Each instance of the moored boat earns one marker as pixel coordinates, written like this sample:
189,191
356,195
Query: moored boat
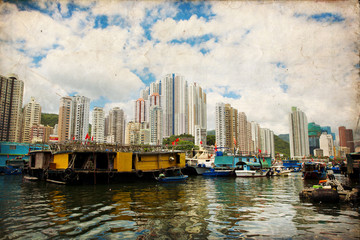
218,172
245,170
280,170
314,170
100,166
201,162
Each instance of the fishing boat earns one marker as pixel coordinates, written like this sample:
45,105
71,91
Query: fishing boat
179,178
245,170
201,162
218,172
280,170
314,170
292,165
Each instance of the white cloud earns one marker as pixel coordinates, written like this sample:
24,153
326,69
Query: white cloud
253,49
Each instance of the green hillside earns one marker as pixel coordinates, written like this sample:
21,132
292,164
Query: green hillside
281,146
49,119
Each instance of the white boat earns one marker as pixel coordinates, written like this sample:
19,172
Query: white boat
244,170
202,161
280,170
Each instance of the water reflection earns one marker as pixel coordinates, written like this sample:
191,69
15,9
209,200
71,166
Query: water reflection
202,208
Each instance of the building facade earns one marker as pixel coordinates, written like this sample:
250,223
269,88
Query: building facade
299,138
116,123
220,130
327,144
98,125
156,125
11,101
346,138
65,118
31,117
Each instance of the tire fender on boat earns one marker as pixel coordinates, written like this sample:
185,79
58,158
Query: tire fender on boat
139,173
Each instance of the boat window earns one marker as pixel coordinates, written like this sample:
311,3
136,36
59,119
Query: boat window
177,158
139,158
12,147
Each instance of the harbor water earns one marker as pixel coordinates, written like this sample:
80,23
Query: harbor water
201,208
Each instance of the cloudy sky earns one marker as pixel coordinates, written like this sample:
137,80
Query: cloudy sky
261,57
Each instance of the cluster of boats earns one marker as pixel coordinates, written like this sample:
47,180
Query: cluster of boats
89,164
207,163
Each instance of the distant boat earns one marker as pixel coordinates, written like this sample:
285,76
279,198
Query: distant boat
280,170
172,179
202,161
218,172
314,170
245,170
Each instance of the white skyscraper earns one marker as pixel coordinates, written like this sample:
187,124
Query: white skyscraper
156,125
267,142
255,136
197,108
11,100
299,138
32,116
116,126
200,135
175,104
80,117
243,137
140,111
220,131
327,144
98,125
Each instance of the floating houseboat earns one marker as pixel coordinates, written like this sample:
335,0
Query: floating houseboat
353,165
99,166
13,156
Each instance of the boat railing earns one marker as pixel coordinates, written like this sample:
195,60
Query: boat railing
90,146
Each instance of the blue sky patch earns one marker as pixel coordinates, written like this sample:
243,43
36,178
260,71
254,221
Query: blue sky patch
100,102
280,65
327,17
232,94
284,87
145,75
194,40
37,59
204,51
101,21
188,9
72,94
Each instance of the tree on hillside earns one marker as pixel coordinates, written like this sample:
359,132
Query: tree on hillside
210,140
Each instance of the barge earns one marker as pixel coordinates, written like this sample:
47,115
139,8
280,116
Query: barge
100,166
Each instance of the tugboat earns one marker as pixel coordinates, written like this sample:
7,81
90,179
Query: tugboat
314,170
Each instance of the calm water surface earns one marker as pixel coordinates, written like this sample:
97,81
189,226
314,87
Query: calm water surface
202,208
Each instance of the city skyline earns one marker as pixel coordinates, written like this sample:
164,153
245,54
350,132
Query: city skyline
305,56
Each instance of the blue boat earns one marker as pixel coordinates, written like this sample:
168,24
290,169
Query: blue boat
216,172
14,156
173,178
293,165
314,170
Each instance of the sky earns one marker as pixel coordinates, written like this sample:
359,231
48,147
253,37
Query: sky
261,57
